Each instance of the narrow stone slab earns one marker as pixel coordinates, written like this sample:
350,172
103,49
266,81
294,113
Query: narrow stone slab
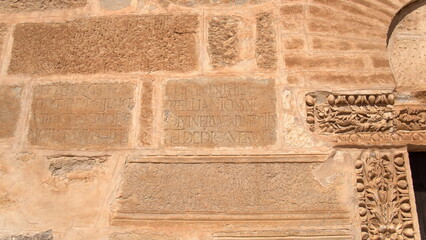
39,5
220,190
81,115
219,113
10,107
106,44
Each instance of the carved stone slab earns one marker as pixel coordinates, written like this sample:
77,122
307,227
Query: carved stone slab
10,107
219,113
384,195
219,190
365,119
77,115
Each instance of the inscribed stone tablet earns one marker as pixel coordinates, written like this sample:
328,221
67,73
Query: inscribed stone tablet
219,112
10,107
78,115
106,44
221,188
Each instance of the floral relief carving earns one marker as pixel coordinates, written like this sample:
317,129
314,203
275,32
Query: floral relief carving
350,113
383,193
411,119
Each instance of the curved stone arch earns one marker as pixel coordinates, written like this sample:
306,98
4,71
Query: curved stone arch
402,13
406,43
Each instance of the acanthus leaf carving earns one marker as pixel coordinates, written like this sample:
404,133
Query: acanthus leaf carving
383,194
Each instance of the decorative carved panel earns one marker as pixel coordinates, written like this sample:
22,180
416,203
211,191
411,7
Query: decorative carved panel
365,119
350,113
383,193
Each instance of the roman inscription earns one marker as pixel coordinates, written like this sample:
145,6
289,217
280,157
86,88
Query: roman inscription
219,113
106,44
77,115
10,107
184,189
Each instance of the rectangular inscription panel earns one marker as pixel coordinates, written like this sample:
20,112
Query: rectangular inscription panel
223,190
219,112
77,115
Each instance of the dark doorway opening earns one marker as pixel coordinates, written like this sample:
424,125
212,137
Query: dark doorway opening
418,170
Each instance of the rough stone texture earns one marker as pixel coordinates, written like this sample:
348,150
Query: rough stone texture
407,50
81,115
39,236
218,188
3,31
162,179
147,114
108,44
38,5
220,112
10,108
114,4
265,41
223,41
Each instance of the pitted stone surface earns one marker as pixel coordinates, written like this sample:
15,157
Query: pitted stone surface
245,188
38,5
81,115
219,112
10,107
265,41
106,44
223,41
39,236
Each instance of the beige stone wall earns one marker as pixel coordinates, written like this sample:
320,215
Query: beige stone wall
209,120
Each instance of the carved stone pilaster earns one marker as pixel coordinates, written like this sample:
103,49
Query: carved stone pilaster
385,208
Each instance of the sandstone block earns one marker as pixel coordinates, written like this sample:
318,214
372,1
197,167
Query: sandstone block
223,41
106,44
219,113
196,190
39,236
113,5
3,30
302,62
10,107
146,119
39,5
80,115
265,41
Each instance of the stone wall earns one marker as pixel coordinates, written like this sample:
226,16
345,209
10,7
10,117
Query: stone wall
209,120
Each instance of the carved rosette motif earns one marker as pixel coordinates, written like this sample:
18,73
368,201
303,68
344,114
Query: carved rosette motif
383,193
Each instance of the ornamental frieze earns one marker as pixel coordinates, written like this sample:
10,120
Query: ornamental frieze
365,118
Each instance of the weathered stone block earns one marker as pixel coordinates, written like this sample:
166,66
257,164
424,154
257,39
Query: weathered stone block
3,30
114,4
80,115
301,62
106,44
219,113
39,236
265,41
10,107
223,40
197,190
39,5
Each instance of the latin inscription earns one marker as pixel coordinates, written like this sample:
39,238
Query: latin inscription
224,112
81,114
